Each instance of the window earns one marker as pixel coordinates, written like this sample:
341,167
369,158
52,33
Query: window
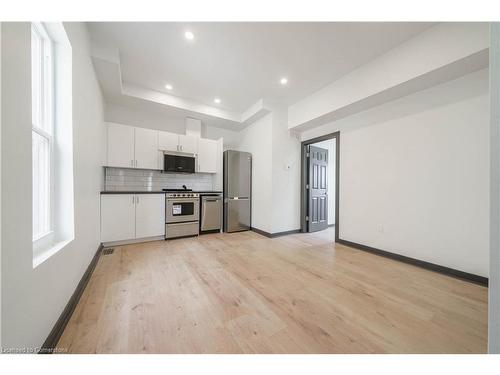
42,87
52,140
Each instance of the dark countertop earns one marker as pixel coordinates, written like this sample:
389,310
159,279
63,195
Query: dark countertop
154,192
132,192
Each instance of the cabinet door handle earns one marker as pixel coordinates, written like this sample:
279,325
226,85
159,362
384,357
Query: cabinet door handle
137,199
133,199
181,147
132,163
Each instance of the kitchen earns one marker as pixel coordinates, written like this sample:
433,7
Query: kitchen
161,185
204,188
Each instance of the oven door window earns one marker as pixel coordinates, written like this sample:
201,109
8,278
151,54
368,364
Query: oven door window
183,209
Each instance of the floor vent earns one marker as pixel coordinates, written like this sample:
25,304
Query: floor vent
108,251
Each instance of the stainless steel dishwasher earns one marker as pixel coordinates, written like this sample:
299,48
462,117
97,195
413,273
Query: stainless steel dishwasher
210,213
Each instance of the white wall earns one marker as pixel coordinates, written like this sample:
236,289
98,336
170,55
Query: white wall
414,175
160,121
419,62
330,145
0,185
257,139
494,281
285,174
275,172
144,119
33,299
231,138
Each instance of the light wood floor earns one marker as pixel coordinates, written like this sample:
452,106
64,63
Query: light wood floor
245,293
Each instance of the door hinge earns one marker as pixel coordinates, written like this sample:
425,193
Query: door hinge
307,154
307,218
307,186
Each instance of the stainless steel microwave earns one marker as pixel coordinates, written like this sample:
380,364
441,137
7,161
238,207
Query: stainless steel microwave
178,164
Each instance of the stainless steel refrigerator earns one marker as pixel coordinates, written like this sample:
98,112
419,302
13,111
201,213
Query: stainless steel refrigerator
237,190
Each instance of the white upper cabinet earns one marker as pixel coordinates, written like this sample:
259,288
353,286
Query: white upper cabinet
130,147
168,141
149,215
146,148
120,146
177,142
188,144
207,155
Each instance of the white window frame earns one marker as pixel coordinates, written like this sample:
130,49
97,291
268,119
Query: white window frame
46,128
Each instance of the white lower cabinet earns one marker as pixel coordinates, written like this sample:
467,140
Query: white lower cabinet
132,216
117,217
149,215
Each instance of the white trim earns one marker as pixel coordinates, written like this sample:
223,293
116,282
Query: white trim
41,236
44,124
42,255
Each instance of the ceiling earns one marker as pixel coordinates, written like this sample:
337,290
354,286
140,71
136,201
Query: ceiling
241,63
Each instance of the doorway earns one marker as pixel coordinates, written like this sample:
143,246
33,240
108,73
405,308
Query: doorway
320,183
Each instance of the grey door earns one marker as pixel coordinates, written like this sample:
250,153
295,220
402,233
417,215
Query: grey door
318,189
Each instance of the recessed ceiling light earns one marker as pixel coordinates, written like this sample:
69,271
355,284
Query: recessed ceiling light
284,81
189,35
217,101
168,87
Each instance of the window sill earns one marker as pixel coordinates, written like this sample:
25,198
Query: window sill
42,236
43,255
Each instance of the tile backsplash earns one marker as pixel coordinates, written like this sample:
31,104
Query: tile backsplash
122,179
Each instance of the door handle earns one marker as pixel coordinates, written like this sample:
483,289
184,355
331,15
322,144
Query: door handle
132,163
137,199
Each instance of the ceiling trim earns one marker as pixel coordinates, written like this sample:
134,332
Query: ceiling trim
106,61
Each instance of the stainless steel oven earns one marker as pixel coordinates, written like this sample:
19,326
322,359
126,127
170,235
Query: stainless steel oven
182,209
181,214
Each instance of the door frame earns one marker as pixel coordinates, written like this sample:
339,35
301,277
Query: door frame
303,179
